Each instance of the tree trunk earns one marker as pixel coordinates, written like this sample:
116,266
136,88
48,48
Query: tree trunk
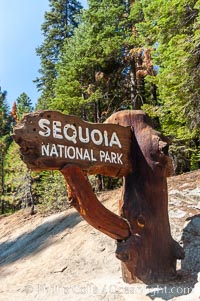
150,253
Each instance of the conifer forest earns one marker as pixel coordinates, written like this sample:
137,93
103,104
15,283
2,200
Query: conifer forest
111,56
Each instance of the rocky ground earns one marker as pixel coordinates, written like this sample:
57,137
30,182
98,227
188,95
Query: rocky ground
60,257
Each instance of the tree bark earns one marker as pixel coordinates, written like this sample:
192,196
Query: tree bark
150,253
82,197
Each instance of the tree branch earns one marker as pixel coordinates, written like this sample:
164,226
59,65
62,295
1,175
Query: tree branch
86,203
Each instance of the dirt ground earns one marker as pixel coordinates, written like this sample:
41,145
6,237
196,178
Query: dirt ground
61,257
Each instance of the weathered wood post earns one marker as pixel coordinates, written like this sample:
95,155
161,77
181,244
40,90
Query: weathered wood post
126,145
150,253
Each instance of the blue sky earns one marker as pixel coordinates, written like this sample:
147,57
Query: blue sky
20,34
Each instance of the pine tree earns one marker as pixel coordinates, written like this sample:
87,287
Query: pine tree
103,67
23,105
5,127
4,114
50,191
173,31
59,24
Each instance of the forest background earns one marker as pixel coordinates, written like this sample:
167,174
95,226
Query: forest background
112,56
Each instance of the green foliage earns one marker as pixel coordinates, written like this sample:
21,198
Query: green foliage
195,158
50,189
17,180
5,126
59,24
172,28
5,118
173,32
25,188
24,105
96,67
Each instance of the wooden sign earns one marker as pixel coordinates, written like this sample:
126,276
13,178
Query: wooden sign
51,140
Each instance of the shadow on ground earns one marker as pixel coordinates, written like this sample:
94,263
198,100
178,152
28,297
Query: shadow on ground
190,266
36,240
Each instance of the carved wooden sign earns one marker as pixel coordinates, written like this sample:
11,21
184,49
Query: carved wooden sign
50,140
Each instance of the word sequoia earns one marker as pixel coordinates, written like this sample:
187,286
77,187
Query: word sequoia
71,133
